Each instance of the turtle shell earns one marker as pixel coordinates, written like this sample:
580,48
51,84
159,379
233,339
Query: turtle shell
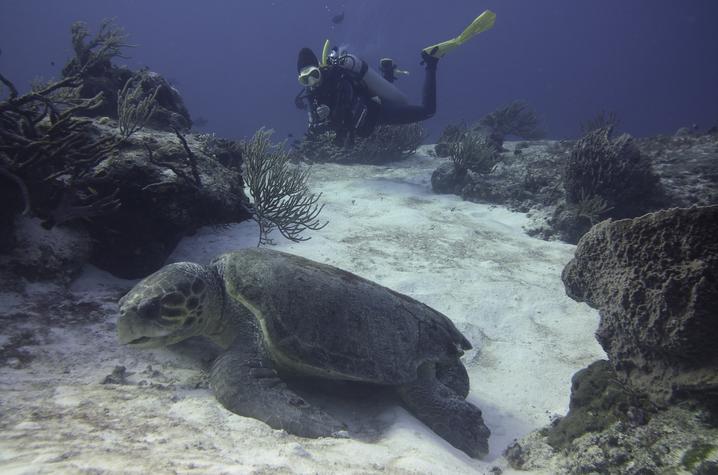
319,320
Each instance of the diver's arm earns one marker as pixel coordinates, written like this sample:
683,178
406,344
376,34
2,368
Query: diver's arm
318,115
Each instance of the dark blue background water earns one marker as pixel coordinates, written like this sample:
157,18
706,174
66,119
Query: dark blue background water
653,62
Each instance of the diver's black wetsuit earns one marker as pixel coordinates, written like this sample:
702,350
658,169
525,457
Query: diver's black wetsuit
352,109
407,114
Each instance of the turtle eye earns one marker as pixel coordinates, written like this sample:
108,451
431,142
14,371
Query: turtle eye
172,313
174,299
149,309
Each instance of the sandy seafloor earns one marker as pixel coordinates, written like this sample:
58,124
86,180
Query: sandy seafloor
473,262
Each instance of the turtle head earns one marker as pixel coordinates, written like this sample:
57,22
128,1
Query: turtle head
177,302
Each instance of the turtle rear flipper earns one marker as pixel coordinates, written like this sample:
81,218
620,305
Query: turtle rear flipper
245,383
448,414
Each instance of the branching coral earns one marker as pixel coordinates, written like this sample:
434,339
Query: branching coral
600,121
591,207
516,119
46,148
451,133
473,152
134,106
279,190
98,51
387,143
613,171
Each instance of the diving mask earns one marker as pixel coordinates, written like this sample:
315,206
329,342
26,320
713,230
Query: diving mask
310,76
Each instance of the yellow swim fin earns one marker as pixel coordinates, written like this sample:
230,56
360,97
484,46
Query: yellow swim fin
482,22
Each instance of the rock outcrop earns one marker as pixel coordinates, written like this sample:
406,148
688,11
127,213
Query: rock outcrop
654,280
161,198
653,407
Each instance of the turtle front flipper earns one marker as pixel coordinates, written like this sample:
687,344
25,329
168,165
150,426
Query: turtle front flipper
453,375
245,383
445,412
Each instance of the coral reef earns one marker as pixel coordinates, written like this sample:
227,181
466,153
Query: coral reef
473,152
135,192
570,186
598,400
451,133
387,143
655,173
93,62
516,119
526,177
613,170
477,153
676,440
169,185
687,167
605,178
46,148
602,120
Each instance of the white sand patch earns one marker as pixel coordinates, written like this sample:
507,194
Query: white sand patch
470,261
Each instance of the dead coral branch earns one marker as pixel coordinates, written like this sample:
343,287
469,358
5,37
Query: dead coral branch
191,157
46,149
107,43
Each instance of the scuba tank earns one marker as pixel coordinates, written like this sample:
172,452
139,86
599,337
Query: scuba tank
375,83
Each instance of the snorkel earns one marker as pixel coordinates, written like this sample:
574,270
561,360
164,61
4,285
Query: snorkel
325,53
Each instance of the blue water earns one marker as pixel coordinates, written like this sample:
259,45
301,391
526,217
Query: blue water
653,62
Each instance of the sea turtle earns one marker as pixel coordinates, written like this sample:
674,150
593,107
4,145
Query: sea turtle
276,313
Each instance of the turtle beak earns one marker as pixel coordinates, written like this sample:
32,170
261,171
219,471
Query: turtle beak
132,331
124,330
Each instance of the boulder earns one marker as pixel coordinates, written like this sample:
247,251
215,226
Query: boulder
654,280
161,199
109,80
447,179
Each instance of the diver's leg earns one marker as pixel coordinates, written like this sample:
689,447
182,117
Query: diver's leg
428,93
411,113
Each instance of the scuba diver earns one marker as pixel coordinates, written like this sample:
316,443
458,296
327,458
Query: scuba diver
343,94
